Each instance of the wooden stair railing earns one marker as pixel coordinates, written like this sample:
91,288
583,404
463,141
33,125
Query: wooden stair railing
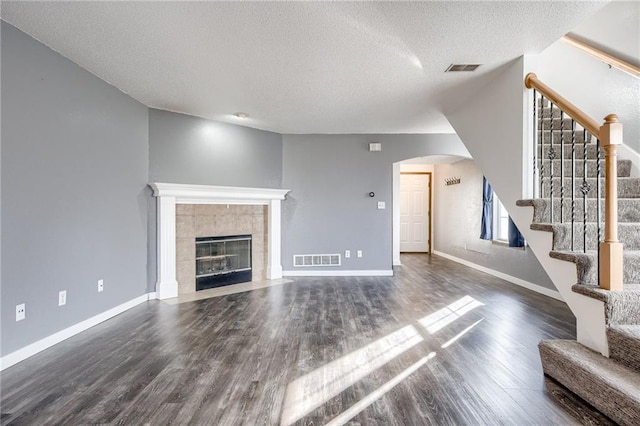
609,135
605,57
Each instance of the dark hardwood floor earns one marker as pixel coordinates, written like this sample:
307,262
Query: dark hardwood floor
439,344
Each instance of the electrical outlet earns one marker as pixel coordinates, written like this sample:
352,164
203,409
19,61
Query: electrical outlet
21,312
359,253
347,253
100,285
62,298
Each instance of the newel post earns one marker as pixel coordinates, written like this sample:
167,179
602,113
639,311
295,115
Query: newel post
611,248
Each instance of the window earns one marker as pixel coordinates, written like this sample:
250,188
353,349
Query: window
501,220
496,225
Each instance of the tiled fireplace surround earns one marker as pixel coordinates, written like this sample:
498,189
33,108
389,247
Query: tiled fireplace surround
189,211
217,220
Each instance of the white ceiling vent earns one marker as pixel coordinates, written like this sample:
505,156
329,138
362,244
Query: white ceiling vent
301,260
462,67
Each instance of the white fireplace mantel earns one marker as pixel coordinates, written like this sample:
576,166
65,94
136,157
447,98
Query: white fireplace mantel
170,194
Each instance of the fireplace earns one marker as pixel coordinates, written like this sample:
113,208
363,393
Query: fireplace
170,195
222,261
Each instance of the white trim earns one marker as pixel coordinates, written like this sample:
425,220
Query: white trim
274,239
170,194
166,284
208,194
340,273
514,280
397,263
42,344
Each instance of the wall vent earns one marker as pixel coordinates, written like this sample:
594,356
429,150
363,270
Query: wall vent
302,260
462,67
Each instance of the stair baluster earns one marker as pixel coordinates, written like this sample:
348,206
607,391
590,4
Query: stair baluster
585,188
552,156
573,183
598,198
536,170
541,134
561,166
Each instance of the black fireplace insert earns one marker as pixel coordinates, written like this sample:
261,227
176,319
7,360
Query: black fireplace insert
222,261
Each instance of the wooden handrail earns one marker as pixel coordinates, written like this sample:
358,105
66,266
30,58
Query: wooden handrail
592,126
621,64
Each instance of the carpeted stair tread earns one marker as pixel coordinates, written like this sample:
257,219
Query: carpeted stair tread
624,345
628,209
624,168
586,273
628,235
627,187
620,307
609,386
545,111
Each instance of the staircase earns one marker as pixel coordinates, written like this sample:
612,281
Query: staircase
610,384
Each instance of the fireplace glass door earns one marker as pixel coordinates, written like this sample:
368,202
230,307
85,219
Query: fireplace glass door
222,261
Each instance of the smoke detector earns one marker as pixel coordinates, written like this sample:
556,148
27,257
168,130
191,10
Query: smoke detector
462,67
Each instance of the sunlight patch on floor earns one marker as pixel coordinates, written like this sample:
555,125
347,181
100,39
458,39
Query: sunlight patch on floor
355,409
459,335
445,316
310,391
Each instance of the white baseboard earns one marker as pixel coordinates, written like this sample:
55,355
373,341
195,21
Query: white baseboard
339,273
514,280
42,344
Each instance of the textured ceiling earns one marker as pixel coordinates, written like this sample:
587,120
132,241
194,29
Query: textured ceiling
310,67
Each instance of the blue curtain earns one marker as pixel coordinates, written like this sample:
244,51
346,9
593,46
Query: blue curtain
515,237
486,230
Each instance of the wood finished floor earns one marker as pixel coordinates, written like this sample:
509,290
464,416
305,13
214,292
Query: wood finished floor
439,344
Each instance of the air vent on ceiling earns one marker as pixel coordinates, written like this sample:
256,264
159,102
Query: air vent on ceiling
301,260
462,67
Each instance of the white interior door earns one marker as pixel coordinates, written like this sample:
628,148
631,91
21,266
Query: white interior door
414,212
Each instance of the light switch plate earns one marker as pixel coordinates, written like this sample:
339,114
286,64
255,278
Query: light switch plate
382,205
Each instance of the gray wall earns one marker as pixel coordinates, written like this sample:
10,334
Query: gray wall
193,150
591,84
456,231
187,149
74,195
330,176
